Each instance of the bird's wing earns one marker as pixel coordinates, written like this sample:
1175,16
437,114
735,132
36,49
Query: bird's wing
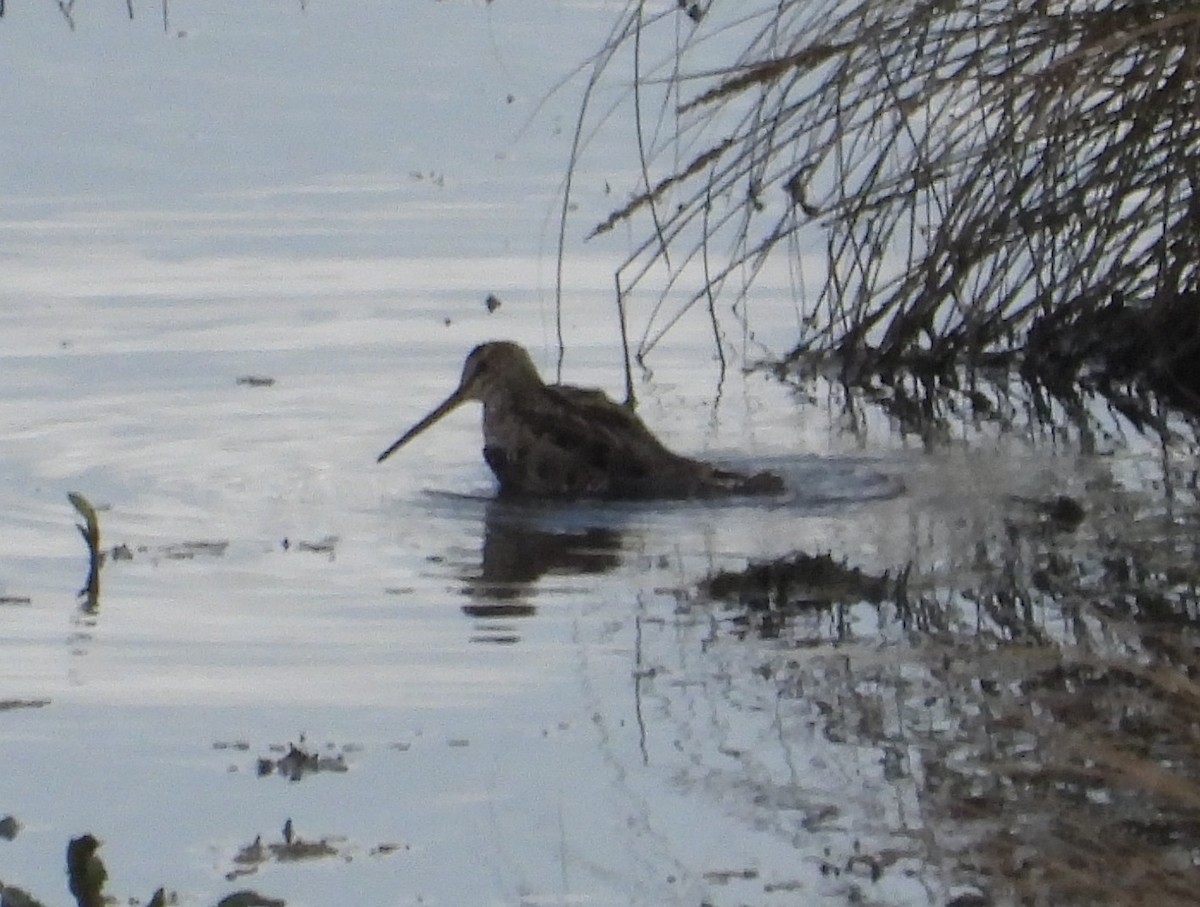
587,425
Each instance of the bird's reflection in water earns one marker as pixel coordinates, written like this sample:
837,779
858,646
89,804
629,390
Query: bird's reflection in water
520,546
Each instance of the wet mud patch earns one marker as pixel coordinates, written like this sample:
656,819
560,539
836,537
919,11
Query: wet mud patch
1033,691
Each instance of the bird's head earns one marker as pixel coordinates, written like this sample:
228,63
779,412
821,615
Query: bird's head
491,370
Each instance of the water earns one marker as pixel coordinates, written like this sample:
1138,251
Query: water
506,676
534,703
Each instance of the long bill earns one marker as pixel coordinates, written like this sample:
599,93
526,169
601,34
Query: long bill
456,398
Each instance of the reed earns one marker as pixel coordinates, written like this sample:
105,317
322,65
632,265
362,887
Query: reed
948,184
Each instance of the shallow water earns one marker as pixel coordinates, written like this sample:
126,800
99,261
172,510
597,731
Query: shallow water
534,703
504,675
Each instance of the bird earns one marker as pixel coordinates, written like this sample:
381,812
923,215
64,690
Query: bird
558,441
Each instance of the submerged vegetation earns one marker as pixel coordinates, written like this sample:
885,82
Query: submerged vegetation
970,185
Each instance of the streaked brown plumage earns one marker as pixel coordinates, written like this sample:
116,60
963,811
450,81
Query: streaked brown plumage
557,441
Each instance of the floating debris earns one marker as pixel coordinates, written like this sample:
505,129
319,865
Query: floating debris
250,855
188,550
175,551
90,530
725,876
492,302
382,850
9,828
7,704
326,545
302,850
255,381
86,874
291,849
298,762
437,179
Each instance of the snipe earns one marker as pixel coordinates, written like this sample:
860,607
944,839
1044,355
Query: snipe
557,441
